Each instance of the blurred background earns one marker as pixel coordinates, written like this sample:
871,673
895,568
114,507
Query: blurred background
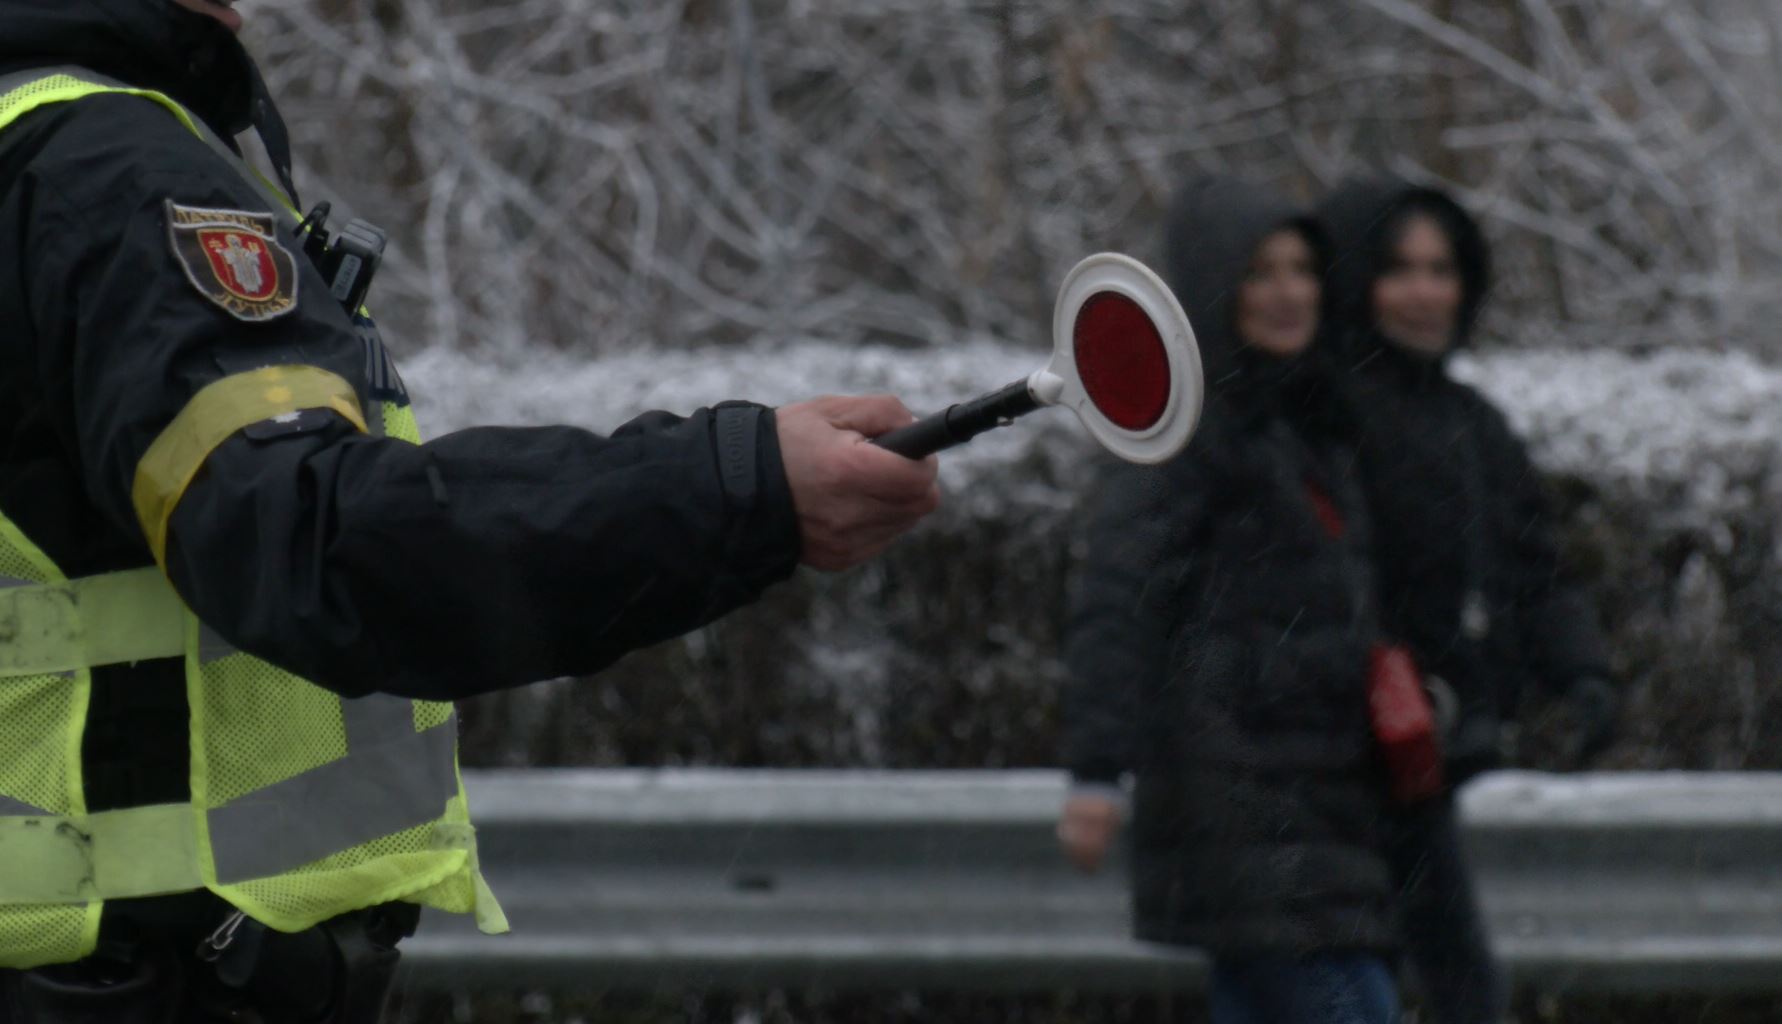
602,206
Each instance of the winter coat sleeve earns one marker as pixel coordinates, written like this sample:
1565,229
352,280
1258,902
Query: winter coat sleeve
1117,627
484,559
1561,638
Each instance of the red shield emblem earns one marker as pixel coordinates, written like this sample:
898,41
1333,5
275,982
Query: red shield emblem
241,262
235,260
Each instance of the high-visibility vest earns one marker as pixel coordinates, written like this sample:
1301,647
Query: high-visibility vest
303,805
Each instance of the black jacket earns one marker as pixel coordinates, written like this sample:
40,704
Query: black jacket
485,559
1468,563
1219,637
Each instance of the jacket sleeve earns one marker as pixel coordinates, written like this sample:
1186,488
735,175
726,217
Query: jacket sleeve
1119,615
1558,626
482,560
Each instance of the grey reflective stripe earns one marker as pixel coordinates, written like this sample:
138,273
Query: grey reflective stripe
371,793
212,646
18,808
14,581
376,720
281,205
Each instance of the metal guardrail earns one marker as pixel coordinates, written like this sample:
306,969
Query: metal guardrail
647,880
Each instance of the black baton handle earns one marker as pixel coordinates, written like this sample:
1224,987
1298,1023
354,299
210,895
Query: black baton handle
960,423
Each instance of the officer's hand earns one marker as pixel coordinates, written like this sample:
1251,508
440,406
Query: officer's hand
853,498
1087,828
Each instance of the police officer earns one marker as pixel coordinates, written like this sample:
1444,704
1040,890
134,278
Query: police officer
237,595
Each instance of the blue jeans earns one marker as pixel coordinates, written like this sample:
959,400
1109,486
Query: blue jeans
1324,988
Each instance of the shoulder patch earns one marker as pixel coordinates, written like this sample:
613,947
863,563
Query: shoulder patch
235,260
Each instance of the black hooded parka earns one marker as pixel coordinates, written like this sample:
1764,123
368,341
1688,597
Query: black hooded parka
1464,542
1219,637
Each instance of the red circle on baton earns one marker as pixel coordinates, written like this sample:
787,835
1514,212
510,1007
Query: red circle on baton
1121,360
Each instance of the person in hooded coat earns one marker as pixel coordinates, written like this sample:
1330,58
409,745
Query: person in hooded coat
1467,561
363,563
1218,641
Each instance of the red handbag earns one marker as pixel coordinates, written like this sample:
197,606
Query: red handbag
1404,724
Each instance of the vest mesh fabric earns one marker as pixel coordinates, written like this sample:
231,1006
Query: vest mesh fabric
42,721
423,865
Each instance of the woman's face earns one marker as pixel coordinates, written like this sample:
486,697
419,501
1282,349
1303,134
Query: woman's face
1277,305
1417,299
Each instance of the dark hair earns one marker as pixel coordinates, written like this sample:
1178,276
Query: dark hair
1211,233
1318,239
1464,243
1222,358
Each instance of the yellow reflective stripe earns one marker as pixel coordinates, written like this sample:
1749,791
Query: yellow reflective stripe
211,417
276,192
70,84
112,619
139,851
67,89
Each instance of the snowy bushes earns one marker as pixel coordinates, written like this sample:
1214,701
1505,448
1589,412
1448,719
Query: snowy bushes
1665,468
